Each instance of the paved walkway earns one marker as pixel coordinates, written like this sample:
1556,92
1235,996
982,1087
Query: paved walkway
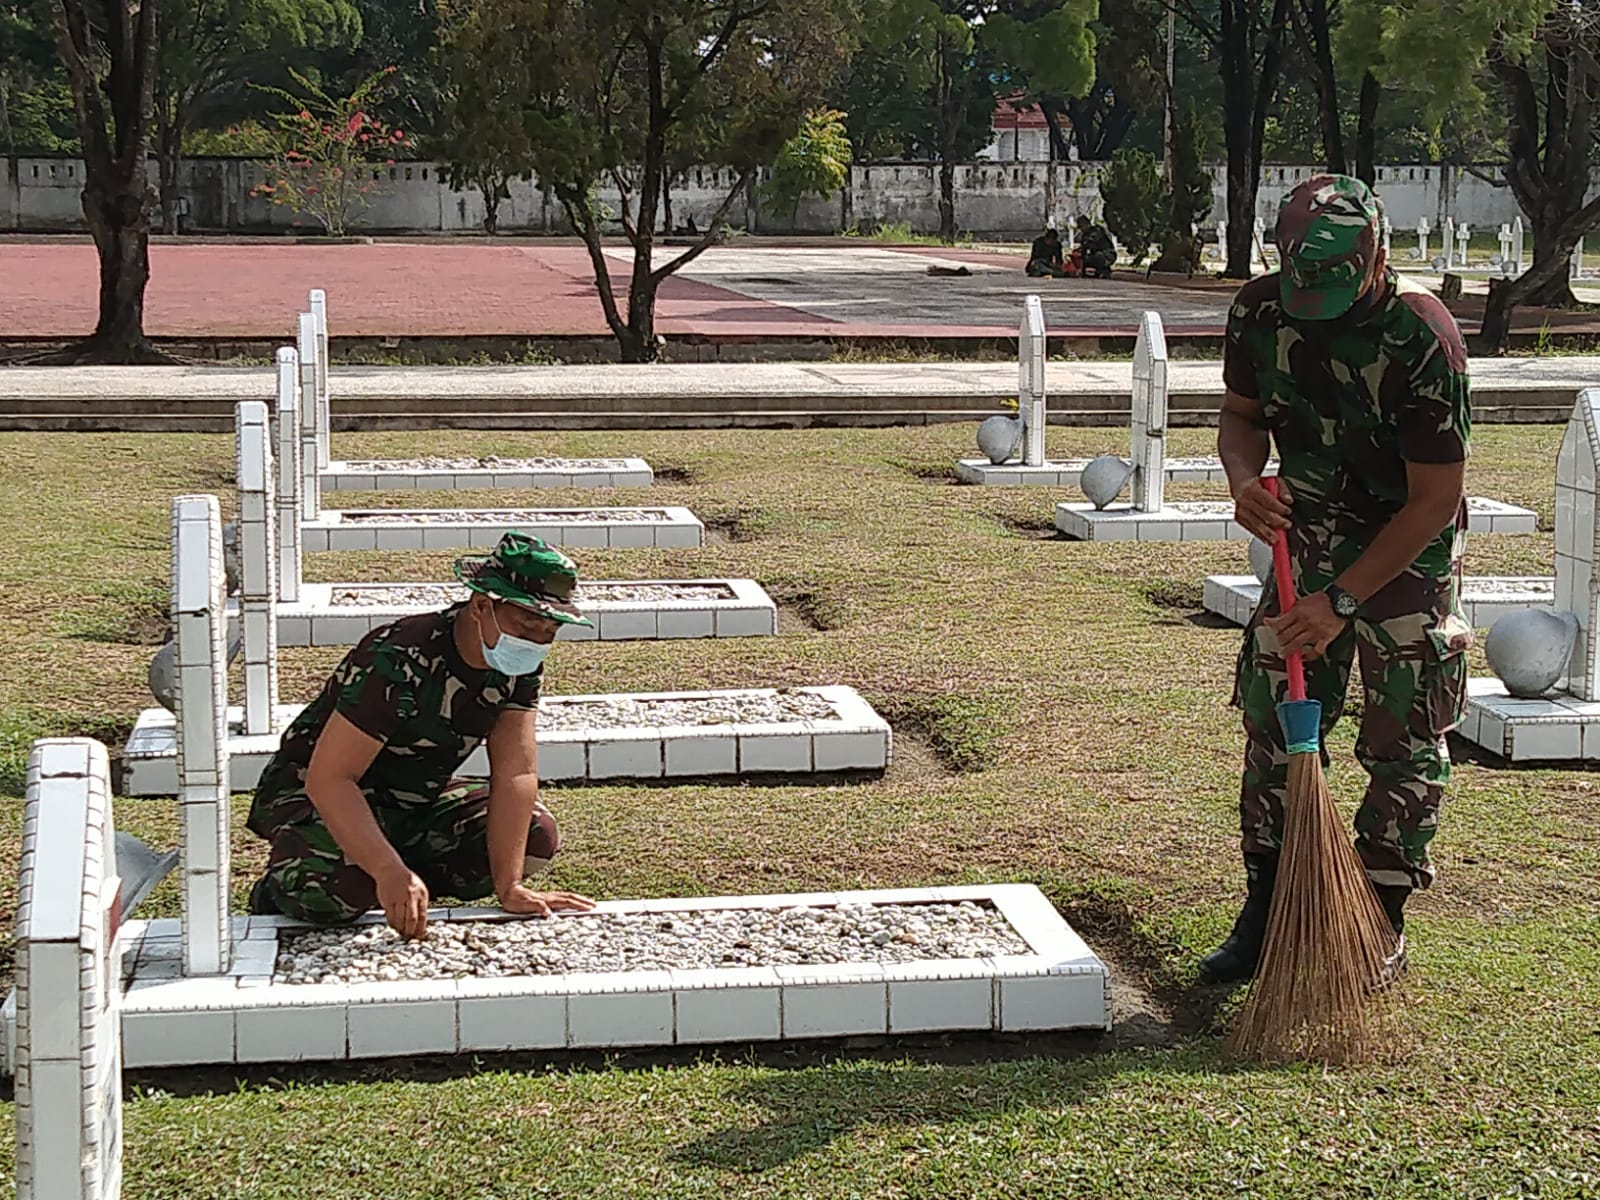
545,289
664,383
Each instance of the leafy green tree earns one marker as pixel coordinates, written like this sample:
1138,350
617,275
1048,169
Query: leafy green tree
1136,207
35,102
619,92
108,48
209,48
814,162
1046,50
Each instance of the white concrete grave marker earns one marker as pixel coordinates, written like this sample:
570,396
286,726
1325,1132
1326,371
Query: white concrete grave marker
69,980
319,315
1449,242
1222,240
1576,550
1577,260
1388,235
199,613
1517,236
288,476
1423,229
1149,427
310,473
1030,380
1504,238
258,583
1463,237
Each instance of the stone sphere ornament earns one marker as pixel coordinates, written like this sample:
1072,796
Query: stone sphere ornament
1104,478
1260,560
1528,649
1000,437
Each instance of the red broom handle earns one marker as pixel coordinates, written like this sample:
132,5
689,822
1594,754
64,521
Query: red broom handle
1292,661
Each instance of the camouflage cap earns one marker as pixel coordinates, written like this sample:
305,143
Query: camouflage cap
1327,239
523,570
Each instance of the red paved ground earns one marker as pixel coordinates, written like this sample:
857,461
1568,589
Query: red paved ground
383,289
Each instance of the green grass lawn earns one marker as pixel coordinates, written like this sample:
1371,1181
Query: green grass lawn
1060,714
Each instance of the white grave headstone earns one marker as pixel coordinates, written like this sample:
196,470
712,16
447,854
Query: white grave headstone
1149,423
1030,380
1423,229
1576,470
1517,243
1449,242
199,613
1577,260
1463,238
288,476
310,472
1388,235
258,574
1504,238
1222,240
69,980
319,314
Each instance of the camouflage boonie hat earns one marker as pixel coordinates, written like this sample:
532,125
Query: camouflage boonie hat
523,570
1327,238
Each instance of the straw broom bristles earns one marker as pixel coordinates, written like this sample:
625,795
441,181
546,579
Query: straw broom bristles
1319,993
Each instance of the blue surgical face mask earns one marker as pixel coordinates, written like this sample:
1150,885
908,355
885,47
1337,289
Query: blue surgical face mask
512,655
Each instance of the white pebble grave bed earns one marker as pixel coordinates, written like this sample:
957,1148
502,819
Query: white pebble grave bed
482,528
654,941
492,462
509,516
438,595
438,473
684,971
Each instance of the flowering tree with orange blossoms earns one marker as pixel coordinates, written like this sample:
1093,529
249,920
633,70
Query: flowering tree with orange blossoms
327,152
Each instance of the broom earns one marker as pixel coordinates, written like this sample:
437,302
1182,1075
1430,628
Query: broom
1320,991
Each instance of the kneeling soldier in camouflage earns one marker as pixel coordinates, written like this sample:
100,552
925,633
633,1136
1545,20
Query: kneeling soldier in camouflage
360,802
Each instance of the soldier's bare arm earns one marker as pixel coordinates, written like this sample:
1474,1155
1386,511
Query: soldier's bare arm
513,795
1243,445
333,782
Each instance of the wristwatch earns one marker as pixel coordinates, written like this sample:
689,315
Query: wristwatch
1344,604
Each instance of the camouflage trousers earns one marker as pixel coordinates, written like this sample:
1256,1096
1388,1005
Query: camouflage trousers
445,843
1410,646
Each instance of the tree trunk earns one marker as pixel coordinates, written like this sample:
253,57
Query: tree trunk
1367,129
169,145
1556,291
120,223
947,201
1059,151
638,344
1238,92
1316,45
1505,295
666,204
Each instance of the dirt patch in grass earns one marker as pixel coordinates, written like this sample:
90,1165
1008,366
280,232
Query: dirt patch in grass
806,609
674,473
1175,594
134,614
935,473
740,525
963,732
915,758
1039,529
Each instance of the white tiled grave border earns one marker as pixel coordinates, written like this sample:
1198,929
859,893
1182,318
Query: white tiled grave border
169,1020
1066,472
857,739
410,529
1556,727
1484,598
746,611
1212,520
376,475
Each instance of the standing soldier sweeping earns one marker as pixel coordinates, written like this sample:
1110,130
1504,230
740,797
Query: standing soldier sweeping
1360,379
361,804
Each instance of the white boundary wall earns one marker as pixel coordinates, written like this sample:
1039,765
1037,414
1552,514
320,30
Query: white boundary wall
43,194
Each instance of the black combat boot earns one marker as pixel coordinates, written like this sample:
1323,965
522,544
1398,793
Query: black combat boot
1393,899
262,902
1235,960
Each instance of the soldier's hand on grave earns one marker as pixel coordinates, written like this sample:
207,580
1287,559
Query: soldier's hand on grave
404,898
525,902
1259,511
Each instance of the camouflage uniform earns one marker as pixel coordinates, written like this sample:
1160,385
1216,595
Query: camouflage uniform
1349,401
407,685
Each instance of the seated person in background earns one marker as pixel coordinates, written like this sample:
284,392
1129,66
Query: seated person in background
1045,257
1098,251
361,804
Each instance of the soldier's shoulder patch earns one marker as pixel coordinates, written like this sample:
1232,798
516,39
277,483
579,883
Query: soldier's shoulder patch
1430,310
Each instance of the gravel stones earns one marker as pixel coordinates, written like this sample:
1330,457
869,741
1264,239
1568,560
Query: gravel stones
626,712
610,942
504,516
492,462
437,595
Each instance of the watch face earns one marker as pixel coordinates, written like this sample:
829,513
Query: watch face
1344,604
